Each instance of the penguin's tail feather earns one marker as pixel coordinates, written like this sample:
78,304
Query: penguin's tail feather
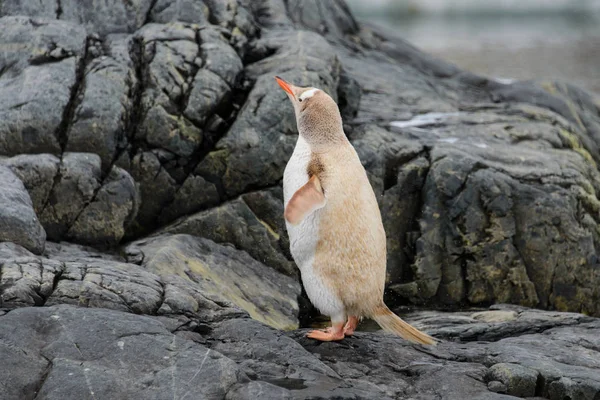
390,322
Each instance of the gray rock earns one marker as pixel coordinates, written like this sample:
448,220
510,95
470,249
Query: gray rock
186,77
71,274
258,390
267,205
37,173
190,11
497,387
225,274
107,16
74,200
496,316
556,360
65,251
53,356
105,284
332,19
236,223
81,204
549,354
108,213
455,369
164,126
490,190
12,250
32,280
470,326
37,81
24,371
483,185
278,359
18,222
236,20
400,205
566,387
33,8
77,179
157,188
194,194
519,381
101,121
28,281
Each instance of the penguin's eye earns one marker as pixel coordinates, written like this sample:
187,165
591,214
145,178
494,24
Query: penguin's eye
307,94
300,100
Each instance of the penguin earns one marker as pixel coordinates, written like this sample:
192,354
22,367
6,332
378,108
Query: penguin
334,224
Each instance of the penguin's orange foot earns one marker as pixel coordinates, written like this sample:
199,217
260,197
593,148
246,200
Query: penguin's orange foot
350,326
325,336
335,332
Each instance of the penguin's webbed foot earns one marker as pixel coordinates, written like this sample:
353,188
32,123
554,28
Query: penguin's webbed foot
351,325
333,333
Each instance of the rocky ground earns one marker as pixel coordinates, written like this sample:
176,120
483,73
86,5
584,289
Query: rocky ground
153,132
68,352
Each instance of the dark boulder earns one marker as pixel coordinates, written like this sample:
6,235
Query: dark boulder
18,221
223,274
74,199
38,83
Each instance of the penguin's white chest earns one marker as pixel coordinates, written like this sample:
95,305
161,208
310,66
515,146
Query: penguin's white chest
305,235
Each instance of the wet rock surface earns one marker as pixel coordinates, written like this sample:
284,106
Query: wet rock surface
153,132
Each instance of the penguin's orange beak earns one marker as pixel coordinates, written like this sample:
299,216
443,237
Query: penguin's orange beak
284,85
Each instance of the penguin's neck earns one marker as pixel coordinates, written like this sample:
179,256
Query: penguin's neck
322,143
302,146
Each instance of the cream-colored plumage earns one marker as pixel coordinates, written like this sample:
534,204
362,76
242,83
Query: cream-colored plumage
336,234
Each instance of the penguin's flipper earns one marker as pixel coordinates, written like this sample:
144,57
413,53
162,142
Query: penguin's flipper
307,199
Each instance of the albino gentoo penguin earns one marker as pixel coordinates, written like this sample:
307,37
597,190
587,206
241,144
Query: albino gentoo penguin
333,221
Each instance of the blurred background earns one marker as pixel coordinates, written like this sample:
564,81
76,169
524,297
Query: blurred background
519,39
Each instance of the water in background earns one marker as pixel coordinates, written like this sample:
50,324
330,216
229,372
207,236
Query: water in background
521,39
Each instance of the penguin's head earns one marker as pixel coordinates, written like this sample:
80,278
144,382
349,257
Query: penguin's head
317,115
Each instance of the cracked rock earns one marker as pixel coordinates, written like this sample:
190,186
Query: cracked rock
18,221
236,223
129,356
104,219
188,75
100,17
225,274
72,274
28,281
37,173
35,87
78,203
100,121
